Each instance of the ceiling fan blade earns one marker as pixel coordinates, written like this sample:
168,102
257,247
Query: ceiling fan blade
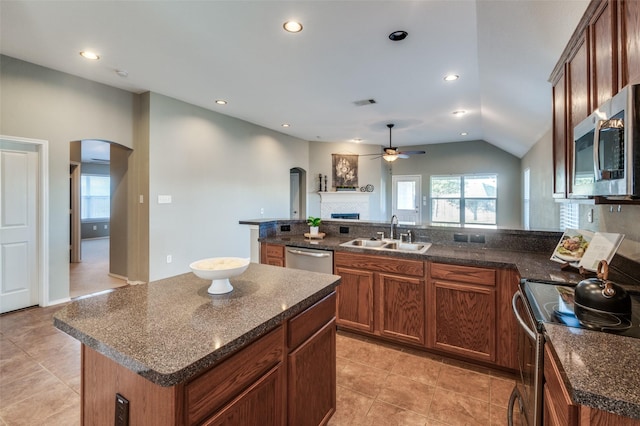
412,152
402,155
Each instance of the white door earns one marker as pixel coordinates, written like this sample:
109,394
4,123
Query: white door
294,196
406,195
18,226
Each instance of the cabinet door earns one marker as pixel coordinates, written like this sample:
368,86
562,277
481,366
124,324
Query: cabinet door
259,405
355,299
462,319
558,406
312,379
630,41
604,54
401,308
560,138
578,98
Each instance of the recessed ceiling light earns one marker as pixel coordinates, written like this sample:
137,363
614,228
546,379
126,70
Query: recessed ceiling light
463,134
286,125
292,26
398,35
87,54
221,102
451,77
459,113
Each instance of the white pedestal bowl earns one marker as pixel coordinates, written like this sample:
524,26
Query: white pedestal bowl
219,270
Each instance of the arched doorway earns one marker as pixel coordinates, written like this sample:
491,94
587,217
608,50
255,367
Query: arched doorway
98,219
297,193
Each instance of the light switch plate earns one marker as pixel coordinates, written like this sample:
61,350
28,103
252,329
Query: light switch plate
164,199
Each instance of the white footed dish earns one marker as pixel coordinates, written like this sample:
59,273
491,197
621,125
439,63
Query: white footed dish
219,270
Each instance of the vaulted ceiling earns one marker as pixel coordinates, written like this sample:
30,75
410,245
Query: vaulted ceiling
201,51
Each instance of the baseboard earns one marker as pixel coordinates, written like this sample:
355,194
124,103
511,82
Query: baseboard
57,302
120,277
135,282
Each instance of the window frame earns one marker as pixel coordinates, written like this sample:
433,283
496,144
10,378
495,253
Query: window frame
83,198
462,200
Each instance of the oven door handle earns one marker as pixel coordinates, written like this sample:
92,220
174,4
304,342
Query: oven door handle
525,327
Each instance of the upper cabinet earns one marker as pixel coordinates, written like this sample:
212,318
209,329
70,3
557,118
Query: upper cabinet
602,56
629,41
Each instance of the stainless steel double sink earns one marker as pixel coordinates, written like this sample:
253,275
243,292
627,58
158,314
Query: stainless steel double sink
388,245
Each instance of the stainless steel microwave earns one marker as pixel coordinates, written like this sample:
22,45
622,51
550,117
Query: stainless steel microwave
606,149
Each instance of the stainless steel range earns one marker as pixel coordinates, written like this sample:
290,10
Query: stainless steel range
539,302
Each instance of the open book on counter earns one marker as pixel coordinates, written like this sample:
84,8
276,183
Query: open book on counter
585,249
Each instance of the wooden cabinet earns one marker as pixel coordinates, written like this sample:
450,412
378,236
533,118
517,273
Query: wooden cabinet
311,378
284,377
604,53
602,56
629,42
272,254
560,133
559,409
382,296
355,297
462,311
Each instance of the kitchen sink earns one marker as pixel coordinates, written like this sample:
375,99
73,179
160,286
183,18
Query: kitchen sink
388,245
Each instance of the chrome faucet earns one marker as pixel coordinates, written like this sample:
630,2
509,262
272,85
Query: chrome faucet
394,221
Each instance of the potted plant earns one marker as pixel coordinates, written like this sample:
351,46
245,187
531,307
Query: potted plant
314,224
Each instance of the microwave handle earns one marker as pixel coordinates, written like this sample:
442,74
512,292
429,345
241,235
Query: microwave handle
596,151
523,324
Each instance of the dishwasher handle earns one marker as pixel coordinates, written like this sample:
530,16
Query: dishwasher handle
523,324
308,253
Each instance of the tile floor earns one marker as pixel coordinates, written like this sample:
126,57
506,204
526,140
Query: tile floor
92,274
378,384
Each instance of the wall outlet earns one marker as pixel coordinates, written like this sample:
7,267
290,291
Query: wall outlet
461,238
261,211
285,228
106,226
344,229
477,238
122,411
169,258
590,216
95,227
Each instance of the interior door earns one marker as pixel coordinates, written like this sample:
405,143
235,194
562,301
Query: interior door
18,226
406,193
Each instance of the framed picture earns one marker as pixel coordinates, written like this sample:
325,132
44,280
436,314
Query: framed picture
345,170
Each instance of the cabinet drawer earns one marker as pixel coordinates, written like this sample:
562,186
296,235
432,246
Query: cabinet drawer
212,390
556,395
275,250
464,274
379,263
303,325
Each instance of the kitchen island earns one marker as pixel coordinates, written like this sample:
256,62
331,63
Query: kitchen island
181,356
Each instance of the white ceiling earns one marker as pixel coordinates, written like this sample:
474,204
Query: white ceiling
199,51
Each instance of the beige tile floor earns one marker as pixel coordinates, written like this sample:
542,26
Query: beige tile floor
91,275
378,384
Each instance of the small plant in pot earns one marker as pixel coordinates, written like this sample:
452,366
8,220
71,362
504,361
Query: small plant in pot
314,224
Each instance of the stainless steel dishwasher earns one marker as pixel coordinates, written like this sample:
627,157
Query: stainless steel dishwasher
309,259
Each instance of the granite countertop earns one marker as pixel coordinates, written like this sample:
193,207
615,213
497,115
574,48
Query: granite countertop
531,265
170,330
600,369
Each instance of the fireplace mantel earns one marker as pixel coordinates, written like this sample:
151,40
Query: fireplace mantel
344,202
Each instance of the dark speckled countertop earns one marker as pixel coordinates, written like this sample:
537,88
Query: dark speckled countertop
170,330
600,369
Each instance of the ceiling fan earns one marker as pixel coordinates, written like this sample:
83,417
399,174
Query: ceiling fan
393,153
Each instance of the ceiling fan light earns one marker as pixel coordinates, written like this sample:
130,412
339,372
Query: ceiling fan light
390,158
292,26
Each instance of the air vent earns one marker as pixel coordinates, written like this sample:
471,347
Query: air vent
365,102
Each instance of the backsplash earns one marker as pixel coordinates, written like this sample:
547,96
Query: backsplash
622,219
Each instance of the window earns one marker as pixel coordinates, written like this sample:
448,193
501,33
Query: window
464,200
95,200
